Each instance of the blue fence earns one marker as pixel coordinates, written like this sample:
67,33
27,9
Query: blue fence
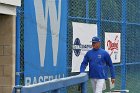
120,16
55,85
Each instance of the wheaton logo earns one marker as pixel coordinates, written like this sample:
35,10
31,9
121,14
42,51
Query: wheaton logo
78,47
53,12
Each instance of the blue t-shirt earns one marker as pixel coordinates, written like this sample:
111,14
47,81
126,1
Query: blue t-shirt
99,61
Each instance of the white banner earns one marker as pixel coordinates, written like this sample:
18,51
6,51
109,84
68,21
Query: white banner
82,35
112,45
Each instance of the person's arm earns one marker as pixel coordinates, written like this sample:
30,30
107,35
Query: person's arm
111,67
84,63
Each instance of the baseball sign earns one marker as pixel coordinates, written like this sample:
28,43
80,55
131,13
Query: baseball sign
112,45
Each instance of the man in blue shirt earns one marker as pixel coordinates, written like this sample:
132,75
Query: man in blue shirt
99,60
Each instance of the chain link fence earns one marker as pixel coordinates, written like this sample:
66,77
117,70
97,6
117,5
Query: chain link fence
20,19
111,19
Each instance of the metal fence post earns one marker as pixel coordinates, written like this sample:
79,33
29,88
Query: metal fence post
87,10
84,87
98,14
17,89
18,47
123,72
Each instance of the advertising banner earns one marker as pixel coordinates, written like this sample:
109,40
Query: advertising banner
45,34
112,45
82,36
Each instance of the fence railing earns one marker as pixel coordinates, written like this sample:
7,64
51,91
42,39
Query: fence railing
55,85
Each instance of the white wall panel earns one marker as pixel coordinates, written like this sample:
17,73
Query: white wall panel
7,9
11,2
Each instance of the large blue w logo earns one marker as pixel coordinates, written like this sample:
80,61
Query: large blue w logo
55,17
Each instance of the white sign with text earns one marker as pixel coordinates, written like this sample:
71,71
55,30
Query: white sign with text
82,35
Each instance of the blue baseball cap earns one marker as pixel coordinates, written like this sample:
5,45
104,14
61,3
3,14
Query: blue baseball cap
95,39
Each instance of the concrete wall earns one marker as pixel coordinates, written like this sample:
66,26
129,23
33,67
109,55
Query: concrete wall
7,53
